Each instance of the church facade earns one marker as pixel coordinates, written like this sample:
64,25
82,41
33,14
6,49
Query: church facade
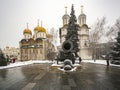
83,34
36,46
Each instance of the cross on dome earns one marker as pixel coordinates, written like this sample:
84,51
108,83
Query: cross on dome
82,9
66,10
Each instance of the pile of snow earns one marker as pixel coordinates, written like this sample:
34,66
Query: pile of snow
41,61
96,61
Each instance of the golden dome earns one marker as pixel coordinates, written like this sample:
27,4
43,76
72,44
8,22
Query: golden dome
27,31
39,29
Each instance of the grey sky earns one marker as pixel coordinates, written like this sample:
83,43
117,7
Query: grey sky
14,14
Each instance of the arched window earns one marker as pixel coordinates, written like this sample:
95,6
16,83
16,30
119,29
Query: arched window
85,44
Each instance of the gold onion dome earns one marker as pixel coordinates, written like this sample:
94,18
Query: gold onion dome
40,28
28,31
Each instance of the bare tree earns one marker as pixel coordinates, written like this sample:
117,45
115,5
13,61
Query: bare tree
97,32
112,33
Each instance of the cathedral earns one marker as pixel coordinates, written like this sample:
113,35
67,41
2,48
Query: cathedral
35,46
83,33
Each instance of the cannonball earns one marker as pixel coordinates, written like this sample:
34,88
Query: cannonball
67,67
67,62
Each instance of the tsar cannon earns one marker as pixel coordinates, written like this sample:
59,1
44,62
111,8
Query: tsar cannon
69,50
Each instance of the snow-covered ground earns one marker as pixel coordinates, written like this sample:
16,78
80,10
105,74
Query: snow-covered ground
99,62
16,64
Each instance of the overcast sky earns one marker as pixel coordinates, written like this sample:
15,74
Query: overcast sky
14,14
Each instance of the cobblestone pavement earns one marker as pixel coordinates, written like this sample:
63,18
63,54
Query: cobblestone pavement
44,77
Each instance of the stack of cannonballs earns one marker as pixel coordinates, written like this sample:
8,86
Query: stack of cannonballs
67,64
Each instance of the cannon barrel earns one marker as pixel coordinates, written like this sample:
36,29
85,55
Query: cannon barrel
67,46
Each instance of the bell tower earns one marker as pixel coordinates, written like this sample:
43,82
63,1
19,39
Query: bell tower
65,17
82,17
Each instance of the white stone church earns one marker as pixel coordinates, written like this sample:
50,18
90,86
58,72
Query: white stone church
83,34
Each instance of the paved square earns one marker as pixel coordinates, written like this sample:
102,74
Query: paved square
44,77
